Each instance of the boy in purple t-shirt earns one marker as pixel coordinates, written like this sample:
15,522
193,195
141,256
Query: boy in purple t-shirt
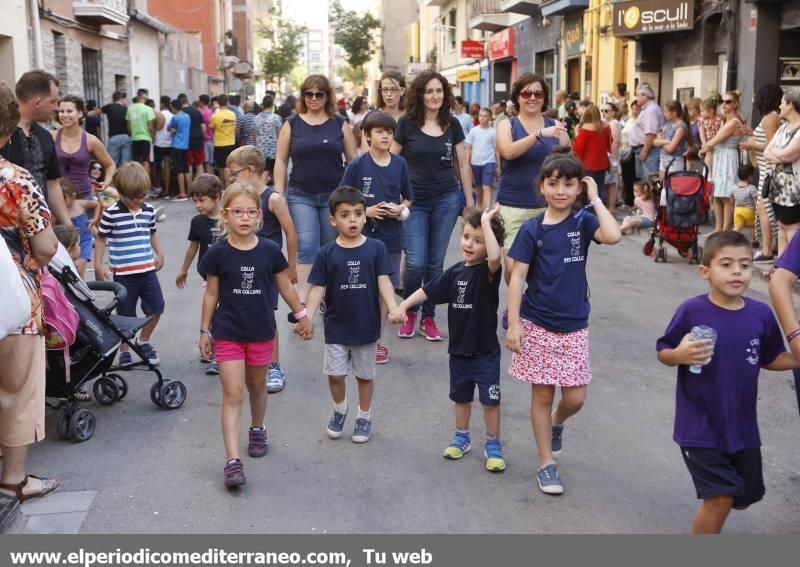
715,410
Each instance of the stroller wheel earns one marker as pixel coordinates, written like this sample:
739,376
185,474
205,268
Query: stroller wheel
81,425
122,384
106,390
172,395
155,394
648,247
62,423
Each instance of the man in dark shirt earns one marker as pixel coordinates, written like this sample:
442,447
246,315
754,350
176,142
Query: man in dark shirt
31,145
92,123
119,141
196,154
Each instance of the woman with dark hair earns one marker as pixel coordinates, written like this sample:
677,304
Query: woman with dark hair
523,143
75,147
359,110
767,102
288,107
391,94
315,139
25,226
784,150
432,143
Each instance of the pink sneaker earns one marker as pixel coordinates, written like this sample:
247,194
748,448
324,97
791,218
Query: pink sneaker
429,330
381,354
406,330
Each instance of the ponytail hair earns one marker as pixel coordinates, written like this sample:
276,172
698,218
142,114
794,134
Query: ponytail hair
682,111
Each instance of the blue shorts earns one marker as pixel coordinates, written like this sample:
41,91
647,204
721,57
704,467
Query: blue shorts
717,473
144,287
483,174
482,370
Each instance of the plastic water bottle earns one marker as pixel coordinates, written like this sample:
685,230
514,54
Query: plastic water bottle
699,333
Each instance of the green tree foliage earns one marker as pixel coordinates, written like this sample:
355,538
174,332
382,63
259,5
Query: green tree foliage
355,33
355,75
286,41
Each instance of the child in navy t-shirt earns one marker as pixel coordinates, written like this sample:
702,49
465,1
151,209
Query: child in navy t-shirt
384,180
471,290
715,410
352,274
548,323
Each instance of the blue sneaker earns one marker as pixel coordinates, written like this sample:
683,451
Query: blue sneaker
459,446
549,480
493,452
125,359
336,425
276,378
362,431
558,432
212,369
150,353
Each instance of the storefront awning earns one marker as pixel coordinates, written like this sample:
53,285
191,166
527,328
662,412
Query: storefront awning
563,7
527,7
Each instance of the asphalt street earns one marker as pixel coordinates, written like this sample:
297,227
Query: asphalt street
158,471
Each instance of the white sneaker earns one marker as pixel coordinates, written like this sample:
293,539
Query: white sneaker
159,214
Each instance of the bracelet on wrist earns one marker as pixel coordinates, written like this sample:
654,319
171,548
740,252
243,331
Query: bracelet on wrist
793,335
539,135
595,201
300,314
206,332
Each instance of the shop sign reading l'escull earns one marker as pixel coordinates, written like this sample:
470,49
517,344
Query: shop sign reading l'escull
639,17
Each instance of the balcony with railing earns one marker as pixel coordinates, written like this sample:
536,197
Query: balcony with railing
527,7
101,12
488,15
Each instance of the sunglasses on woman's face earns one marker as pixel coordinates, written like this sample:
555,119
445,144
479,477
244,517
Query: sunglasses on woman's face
728,101
538,95
319,95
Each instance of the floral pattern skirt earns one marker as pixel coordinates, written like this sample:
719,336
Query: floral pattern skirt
552,359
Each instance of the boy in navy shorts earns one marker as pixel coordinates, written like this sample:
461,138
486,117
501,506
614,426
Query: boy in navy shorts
715,411
128,229
353,275
384,180
471,290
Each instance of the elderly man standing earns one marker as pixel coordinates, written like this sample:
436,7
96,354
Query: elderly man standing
645,128
245,127
31,146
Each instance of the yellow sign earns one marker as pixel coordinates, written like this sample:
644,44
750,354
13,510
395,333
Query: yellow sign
631,17
468,76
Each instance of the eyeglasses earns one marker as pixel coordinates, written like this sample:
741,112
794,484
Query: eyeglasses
390,90
728,101
319,95
237,171
607,110
538,95
239,212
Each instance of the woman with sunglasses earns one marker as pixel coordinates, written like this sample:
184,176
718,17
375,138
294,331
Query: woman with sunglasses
315,139
724,173
523,143
76,148
432,143
626,158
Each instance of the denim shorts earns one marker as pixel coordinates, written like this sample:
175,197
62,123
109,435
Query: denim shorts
142,286
311,217
481,370
483,174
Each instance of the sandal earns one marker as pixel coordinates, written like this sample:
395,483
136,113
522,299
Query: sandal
49,485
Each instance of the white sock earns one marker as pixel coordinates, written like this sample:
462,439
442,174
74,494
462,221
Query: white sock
364,414
341,408
260,427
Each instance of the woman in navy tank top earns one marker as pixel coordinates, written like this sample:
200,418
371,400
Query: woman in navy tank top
318,140
523,142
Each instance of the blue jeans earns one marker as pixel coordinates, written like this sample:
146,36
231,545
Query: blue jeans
427,235
649,167
119,147
311,218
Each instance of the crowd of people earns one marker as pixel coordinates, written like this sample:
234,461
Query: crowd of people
364,202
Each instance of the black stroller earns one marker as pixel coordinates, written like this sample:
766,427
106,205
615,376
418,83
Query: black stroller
98,339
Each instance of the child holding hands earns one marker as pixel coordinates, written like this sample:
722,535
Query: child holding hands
471,290
548,324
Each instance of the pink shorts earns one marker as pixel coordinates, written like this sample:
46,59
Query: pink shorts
552,359
256,353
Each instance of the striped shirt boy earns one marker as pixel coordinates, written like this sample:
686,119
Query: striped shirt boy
130,250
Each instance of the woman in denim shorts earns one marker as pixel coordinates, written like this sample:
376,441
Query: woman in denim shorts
318,140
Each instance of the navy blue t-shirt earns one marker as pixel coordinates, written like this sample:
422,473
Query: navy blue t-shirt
246,282
205,231
716,409
519,178
317,154
431,159
557,297
473,297
271,229
350,279
390,184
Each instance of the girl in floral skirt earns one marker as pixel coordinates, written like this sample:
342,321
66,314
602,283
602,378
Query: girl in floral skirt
548,325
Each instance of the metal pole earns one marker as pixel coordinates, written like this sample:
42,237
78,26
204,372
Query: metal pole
33,6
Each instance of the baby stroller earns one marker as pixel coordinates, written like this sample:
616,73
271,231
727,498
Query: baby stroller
687,196
98,339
